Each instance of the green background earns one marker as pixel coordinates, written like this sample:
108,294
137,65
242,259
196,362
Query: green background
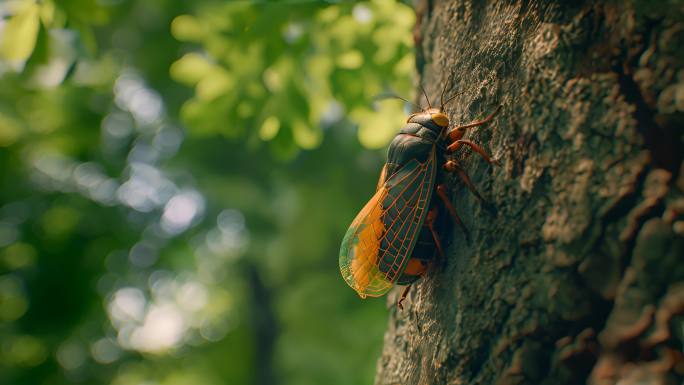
176,179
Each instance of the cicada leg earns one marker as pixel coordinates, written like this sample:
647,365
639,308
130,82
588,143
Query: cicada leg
455,146
458,132
452,166
442,193
455,136
430,220
403,296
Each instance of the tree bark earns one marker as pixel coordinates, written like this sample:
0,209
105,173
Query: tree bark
574,272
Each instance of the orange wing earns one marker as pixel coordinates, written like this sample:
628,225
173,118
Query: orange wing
378,244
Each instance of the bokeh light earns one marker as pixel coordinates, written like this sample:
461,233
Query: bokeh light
176,181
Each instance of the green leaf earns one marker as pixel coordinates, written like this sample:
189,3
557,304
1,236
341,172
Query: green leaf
63,49
187,28
190,69
20,34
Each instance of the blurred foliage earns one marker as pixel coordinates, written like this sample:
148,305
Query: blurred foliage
176,178
280,72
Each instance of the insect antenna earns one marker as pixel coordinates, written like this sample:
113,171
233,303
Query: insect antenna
426,97
441,97
450,99
394,96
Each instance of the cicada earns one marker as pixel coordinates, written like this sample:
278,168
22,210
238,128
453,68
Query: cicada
395,238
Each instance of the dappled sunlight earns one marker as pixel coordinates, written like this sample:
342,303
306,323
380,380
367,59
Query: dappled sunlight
162,329
131,94
167,314
181,210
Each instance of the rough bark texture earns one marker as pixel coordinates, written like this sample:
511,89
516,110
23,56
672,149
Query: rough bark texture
575,269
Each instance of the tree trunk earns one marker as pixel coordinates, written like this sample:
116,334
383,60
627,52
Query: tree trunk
574,272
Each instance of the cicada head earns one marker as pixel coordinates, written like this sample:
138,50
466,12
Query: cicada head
438,116
432,114
431,118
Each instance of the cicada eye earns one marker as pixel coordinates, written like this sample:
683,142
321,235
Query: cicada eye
440,119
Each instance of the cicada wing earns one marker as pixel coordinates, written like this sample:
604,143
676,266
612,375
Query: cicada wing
361,247
378,244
